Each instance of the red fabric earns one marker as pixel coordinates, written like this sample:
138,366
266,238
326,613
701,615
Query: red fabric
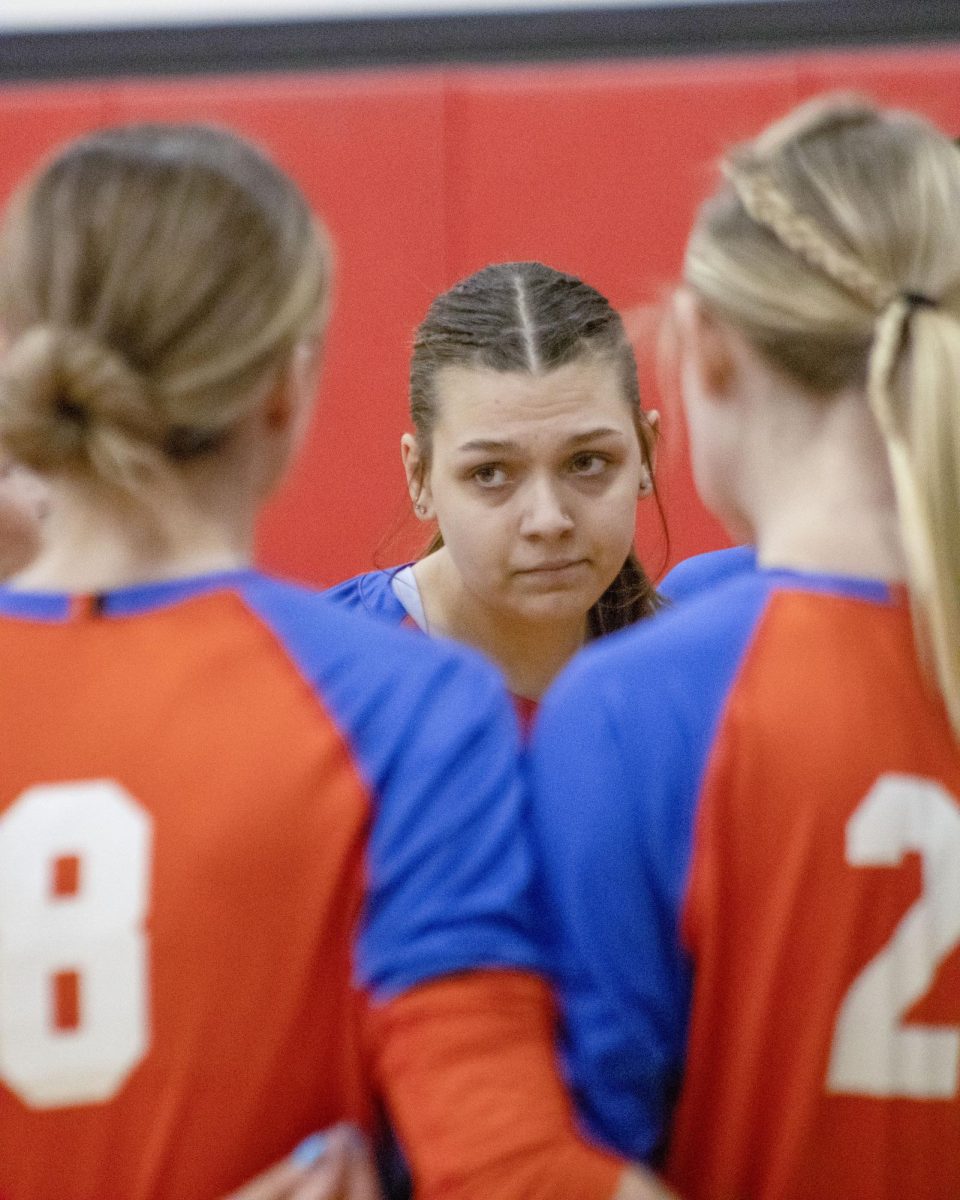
781,923
470,1073
526,712
253,1032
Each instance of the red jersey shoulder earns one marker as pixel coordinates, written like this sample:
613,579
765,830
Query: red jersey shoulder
176,804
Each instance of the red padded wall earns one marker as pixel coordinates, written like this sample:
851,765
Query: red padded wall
423,176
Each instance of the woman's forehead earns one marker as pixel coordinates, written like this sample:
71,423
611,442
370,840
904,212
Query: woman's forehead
481,404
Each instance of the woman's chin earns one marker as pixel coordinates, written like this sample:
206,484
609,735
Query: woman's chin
551,605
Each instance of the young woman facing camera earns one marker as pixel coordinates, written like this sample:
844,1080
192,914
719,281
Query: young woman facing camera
530,451
758,928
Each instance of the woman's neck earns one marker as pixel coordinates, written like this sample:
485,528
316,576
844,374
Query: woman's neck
826,502
92,544
529,653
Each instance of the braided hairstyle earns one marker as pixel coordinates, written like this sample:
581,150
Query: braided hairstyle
525,316
832,246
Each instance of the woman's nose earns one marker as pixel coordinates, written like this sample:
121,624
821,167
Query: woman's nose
545,514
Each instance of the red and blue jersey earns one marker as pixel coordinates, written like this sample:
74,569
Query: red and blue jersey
748,814
234,819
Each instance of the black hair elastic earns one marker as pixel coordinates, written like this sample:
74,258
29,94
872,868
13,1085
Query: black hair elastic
183,443
69,410
918,300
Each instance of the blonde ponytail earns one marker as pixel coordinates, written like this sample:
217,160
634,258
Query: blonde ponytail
914,392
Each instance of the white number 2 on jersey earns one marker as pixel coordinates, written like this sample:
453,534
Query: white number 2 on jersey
94,933
874,1053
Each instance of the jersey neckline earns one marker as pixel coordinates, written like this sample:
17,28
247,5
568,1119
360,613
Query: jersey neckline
122,601
882,591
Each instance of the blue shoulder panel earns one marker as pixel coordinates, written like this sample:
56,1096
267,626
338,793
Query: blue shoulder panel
694,575
371,594
436,739
618,758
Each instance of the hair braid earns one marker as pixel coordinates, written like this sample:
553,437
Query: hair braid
769,207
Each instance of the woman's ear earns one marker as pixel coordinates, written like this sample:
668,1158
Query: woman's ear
703,345
418,478
290,401
651,439
284,414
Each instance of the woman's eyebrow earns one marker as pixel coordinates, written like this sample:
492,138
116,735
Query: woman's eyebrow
486,446
501,446
590,435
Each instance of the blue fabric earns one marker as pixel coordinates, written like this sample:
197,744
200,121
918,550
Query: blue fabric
435,736
125,601
35,606
371,594
695,575
618,760
618,756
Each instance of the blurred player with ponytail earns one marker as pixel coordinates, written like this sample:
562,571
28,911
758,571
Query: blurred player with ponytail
260,858
758,928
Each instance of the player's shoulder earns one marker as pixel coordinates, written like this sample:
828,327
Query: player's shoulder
693,575
643,707
371,593
679,649
377,679
331,636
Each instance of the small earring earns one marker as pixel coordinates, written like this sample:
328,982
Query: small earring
419,509
646,484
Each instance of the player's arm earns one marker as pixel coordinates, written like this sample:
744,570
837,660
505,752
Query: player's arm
462,1024
611,818
469,1068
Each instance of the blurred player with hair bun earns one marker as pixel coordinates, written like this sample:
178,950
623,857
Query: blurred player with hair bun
259,857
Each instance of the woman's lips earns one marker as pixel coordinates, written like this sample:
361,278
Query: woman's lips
556,567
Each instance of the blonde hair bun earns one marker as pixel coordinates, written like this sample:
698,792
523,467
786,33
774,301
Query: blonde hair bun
62,391
155,282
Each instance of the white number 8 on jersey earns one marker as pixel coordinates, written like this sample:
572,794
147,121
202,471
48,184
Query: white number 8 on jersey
93,932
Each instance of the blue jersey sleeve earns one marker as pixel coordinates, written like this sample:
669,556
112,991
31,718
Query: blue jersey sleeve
695,575
434,735
370,594
617,760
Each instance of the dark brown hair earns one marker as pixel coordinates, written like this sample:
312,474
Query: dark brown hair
525,316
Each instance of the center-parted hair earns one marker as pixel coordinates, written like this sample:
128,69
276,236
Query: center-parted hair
154,281
834,246
528,317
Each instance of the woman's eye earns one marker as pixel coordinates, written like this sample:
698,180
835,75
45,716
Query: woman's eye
588,464
490,475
